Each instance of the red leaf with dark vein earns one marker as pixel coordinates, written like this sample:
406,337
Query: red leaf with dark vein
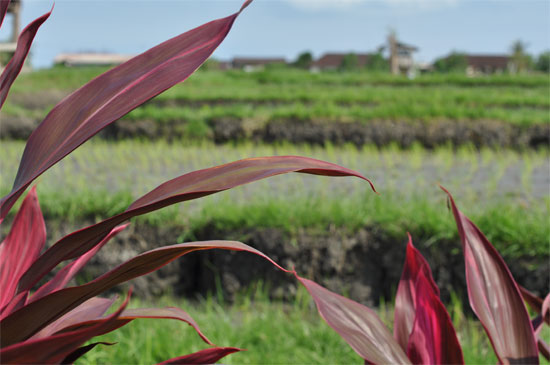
405,300
16,64
531,299
190,186
494,295
15,303
54,349
22,246
537,303
110,96
3,10
206,356
81,351
130,314
433,338
25,322
358,325
64,275
92,309
539,306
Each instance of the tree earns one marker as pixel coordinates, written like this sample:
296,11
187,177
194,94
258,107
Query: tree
454,62
349,63
543,62
304,60
377,62
521,61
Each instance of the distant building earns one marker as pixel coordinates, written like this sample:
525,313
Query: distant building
90,59
487,64
401,56
7,49
333,61
252,64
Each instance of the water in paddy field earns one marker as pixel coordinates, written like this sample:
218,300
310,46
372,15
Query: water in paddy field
137,167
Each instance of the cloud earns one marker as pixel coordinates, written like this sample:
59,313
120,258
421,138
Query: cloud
347,4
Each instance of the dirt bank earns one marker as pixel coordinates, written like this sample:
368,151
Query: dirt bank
480,133
365,264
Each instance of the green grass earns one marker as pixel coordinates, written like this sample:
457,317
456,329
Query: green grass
271,332
337,97
501,191
71,78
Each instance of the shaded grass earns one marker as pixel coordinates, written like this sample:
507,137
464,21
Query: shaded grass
272,332
71,78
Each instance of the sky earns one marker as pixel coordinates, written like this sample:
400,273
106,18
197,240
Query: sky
284,28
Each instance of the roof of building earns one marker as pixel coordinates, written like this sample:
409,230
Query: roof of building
406,47
87,59
495,61
252,61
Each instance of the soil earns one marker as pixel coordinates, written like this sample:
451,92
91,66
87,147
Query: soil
366,265
481,133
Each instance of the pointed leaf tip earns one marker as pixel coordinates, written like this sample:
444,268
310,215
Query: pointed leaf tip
433,339
94,106
21,246
15,65
494,295
206,356
405,299
189,186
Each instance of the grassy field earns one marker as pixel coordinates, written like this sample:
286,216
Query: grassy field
271,332
505,192
293,94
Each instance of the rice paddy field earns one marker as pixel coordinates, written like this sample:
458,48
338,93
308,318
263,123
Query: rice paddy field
507,191
286,94
503,186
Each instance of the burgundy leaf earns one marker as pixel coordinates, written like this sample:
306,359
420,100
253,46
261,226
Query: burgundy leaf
433,338
14,67
110,96
55,348
81,351
15,303
22,246
3,10
405,300
130,314
92,309
64,275
30,319
358,325
193,185
533,301
544,349
494,295
206,356
546,308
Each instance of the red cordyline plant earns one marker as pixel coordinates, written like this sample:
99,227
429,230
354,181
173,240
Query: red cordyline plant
52,322
423,332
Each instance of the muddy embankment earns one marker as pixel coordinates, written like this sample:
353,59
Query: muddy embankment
481,133
366,265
